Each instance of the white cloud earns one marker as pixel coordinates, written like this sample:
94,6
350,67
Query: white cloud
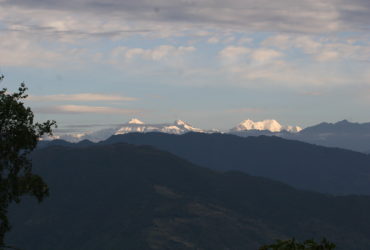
327,55
81,109
265,55
303,42
20,49
156,54
238,54
251,66
233,54
75,34
81,97
321,49
66,20
16,50
164,60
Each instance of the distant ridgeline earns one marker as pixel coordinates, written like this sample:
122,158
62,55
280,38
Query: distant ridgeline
115,195
301,165
343,134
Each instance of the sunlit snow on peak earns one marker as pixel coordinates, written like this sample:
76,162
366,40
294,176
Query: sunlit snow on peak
269,125
135,121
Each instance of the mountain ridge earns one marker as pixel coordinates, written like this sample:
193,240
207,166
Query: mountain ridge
268,125
299,164
121,196
342,134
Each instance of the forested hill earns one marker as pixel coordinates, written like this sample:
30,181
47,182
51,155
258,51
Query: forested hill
302,165
120,196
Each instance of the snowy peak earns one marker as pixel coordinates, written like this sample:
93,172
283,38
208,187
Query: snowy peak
178,127
293,129
269,125
186,126
180,123
135,121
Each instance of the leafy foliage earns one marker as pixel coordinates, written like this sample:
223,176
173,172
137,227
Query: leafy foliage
294,245
18,137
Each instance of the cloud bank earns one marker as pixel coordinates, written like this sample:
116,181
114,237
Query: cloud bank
164,15
81,97
84,109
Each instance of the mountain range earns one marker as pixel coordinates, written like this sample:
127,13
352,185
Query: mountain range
121,196
134,125
301,165
265,125
343,134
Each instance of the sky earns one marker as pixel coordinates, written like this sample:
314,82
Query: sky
212,63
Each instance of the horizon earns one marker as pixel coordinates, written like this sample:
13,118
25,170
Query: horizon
211,63
86,129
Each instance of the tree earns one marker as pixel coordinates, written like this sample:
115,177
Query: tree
294,245
19,135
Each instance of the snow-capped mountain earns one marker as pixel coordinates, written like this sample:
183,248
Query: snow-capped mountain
293,129
265,125
134,125
342,134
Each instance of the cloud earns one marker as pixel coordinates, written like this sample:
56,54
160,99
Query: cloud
320,48
23,49
16,50
238,54
327,55
81,97
156,54
264,66
82,109
304,42
81,33
164,60
233,54
20,49
265,55
116,18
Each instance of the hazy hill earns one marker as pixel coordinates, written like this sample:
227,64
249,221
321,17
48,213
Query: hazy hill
302,165
121,196
343,134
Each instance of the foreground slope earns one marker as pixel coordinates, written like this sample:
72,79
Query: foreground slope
122,196
302,165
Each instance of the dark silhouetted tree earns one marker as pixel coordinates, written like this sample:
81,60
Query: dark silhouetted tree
19,135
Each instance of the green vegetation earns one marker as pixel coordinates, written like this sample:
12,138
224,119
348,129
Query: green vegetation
294,245
18,138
